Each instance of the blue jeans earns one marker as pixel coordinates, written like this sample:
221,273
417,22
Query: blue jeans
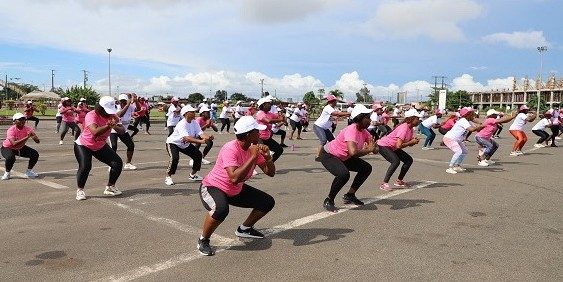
430,135
489,146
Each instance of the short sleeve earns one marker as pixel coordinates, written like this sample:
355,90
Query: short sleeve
349,135
89,119
229,157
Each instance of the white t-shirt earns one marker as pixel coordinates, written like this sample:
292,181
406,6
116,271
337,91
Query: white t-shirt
519,122
183,128
225,112
200,105
238,110
58,114
396,112
430,121
541,124
126,118
297,115
324,121
213,106
458,130
274,109
289,112
374,117
173,117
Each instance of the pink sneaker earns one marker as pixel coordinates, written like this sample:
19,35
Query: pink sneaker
385,187
401,183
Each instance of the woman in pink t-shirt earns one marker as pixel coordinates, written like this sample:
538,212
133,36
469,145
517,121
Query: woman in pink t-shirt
14,145
224,185
204,120
342,155
484,138
391,148
267,118
92,143
67,111
81,110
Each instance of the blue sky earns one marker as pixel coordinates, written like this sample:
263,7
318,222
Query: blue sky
183,46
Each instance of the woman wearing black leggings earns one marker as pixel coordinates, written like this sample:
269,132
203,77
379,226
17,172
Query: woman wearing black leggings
14,145
92,143
342,155
267,118
391,148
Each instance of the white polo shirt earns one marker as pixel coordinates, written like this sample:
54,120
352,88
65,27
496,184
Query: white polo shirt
182,129
325,119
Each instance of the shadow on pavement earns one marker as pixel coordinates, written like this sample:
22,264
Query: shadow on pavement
303,237
396,204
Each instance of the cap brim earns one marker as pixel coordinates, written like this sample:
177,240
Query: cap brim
261,127
110,111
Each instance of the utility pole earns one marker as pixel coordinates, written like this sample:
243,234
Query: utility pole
53,80
6,86
85,77
262,86
541,50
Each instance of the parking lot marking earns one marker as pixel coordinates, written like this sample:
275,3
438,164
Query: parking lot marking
227,243
40,181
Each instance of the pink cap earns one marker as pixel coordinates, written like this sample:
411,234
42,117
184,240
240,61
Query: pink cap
523,107
438,111
465,110
330,98
377,106
174,99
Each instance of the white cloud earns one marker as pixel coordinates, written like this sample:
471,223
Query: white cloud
437,19
275,11
518,39
467,83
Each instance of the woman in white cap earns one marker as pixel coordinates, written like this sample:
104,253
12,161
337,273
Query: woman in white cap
125,109
142,115
14,145
376,120
173,114
239,111
485,136
517,129
539,130
295,121
267,118
225,185
68,112
323,124
204,120
454,138
224,116
81,111
276,128
59,116
426,128
28,112
343,154
391,148
92,143
186,134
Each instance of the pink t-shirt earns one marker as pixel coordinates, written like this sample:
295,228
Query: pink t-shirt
82,111
403,132
339,148
449,124
87,139
202,122
490,126
67,113
266,133
231,155
386,117
17,134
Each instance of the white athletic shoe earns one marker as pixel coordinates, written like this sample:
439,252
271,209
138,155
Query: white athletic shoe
61,142
451,170
191,163
519,153
31,174
459,169
168,181
557,138
538,145
483,163
430,148
80,195
255,172
6,175
491,162
112,191
205,162
425,148
129,166
195,177
514,153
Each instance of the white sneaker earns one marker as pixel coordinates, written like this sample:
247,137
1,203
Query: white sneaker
205,162
195,177
191,163
129,166
61,142
31,174
491,162
538,145
112,191
483,163
459,169
451,170
80,195
557,138
430,148
255,172
425,148
513,153
109,168
168,181
271,153
6,175
519,153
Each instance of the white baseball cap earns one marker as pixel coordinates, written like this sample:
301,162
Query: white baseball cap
84,99
17,116
29,102
492,112
246,124
186,109
65,99
108,103
412,113
203,108
123,97
264,100
174,99
360,109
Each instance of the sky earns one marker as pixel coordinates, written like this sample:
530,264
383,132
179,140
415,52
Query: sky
178,47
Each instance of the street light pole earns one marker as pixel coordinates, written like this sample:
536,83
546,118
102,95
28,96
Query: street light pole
109,70
541,50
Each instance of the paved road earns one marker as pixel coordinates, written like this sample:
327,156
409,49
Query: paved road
498,223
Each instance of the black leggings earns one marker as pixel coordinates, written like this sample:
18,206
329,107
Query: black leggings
174,153
217,202
134,129
208,146
75,129
542,134
25,152
274,147
59,119
144,119
227,122
395,157
499,129
125,139
281,133
34,119
341,170
105,155
170,129
554,133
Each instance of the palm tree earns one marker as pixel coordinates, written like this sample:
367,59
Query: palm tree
337,93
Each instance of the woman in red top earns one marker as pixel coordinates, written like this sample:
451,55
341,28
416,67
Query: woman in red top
68,111
14,145
29,110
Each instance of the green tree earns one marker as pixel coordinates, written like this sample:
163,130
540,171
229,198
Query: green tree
321,93
363,96
239,97
76,92
337,93
533,103
310,99
453,99
196,98
220,95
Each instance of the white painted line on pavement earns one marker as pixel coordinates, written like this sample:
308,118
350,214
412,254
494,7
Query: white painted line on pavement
40,181
96,167
227,243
